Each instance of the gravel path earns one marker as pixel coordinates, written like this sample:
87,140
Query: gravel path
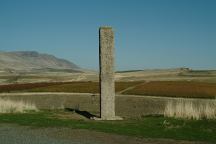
14,134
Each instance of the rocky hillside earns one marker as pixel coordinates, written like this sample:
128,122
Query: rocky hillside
33,61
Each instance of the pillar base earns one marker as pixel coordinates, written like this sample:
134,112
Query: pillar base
112,118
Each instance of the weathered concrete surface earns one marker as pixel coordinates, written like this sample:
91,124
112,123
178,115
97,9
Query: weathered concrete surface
107,80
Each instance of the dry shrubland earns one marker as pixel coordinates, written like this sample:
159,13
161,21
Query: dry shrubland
189,109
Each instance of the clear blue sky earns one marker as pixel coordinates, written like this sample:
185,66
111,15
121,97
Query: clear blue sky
149,33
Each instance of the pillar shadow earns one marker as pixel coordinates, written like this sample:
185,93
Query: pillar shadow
82,113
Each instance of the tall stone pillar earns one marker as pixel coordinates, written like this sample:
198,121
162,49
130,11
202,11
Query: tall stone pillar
107,81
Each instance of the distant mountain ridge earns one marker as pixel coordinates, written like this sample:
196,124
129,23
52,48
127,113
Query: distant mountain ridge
32,60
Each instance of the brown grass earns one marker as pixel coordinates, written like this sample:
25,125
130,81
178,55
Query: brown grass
189,109
9,106
175,89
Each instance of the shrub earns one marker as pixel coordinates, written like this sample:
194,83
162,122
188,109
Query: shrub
191,109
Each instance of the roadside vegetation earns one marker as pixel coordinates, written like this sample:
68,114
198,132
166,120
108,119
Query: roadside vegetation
9,106
186,89
187,109
146,127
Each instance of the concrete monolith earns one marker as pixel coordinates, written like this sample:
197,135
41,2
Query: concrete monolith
107,80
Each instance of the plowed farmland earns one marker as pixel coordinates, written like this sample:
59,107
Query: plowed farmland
155,88
175,89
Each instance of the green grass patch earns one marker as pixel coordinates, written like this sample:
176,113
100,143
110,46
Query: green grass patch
147,127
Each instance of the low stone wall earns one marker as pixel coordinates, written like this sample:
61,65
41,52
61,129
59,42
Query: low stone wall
126,105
